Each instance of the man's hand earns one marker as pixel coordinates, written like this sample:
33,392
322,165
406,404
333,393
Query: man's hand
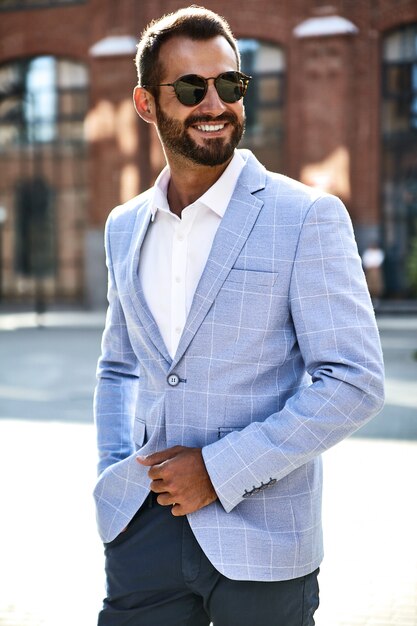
180,478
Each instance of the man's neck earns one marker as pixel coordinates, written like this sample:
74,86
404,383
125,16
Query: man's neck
189,182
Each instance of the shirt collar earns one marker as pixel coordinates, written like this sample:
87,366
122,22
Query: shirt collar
216,198
160,189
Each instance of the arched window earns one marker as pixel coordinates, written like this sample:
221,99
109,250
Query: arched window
43,103
264,101
399,156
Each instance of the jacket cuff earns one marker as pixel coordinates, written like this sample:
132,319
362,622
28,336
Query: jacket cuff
232,479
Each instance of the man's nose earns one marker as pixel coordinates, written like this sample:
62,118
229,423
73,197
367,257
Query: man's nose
212,103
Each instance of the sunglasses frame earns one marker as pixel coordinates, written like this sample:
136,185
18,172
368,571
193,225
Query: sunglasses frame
243,82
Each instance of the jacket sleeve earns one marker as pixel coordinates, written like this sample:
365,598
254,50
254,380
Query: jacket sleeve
338,339
117,378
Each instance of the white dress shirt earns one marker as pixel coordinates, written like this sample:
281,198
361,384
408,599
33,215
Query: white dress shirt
175,250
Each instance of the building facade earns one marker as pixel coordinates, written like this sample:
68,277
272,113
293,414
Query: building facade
333,102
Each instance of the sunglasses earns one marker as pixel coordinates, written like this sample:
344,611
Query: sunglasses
191,89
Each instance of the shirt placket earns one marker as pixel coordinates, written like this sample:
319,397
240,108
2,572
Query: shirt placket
179,279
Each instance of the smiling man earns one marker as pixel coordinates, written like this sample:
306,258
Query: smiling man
240,344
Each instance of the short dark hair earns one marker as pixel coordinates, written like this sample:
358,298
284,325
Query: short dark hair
194,22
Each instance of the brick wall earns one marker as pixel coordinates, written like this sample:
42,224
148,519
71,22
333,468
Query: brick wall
332,125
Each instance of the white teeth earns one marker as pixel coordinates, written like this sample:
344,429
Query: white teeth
210,127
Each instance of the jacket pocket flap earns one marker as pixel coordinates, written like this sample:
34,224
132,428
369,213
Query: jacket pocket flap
225,430
252,277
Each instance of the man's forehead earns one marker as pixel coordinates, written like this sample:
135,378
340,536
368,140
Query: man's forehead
183,55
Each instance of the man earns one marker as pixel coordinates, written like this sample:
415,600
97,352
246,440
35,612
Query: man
240,343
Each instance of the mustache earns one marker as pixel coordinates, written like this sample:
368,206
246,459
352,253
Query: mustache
204,119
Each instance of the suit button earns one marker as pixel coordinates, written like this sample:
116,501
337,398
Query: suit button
173,380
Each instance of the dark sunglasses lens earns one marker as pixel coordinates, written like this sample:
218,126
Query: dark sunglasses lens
190,89
231,86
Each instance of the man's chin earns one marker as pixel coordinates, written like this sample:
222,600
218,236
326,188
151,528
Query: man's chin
213,152
211,161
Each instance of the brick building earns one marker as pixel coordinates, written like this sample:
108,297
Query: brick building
333,103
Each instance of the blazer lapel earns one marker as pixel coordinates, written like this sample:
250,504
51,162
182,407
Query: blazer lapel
135,287
237,223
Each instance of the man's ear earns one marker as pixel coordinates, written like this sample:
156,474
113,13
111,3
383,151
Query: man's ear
144,104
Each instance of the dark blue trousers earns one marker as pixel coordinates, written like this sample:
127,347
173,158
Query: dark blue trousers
157,575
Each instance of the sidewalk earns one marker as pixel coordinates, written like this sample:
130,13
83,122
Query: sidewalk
51,567
76,318
52,319
51,564
369,575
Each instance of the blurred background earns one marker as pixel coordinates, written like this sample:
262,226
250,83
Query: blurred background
333,102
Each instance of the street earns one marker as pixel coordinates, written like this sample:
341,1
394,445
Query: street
51,558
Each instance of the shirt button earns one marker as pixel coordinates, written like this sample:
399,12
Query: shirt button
178,330
180,237
178,279
173,380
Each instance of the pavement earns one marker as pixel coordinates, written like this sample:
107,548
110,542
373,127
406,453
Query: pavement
51,565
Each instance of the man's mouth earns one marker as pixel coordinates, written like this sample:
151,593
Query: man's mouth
210,128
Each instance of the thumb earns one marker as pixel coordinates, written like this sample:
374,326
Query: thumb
158,457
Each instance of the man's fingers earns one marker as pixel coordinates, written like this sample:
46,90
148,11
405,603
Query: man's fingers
158,457
179,477
178,510
158,486
165,499
153,459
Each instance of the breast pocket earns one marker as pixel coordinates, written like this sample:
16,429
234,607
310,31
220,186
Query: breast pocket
249,314
251,278
247,298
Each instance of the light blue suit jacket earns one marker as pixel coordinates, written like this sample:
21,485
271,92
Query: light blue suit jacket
280,359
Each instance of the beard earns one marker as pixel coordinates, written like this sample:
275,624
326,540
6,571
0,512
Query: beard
216,151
